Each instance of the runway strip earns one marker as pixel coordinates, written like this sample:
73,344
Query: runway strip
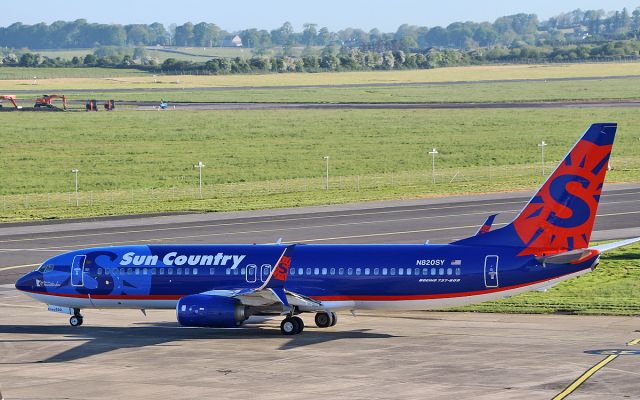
439,220
204,106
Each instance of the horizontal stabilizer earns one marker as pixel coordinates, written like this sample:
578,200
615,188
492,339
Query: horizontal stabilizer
610,246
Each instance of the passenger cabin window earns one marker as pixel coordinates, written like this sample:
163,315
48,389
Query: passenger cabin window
99,271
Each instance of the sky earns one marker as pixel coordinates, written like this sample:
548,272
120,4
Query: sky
231,15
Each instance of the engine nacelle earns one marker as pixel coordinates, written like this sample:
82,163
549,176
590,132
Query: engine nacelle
206,311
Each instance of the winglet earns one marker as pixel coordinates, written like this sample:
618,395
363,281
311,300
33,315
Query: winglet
280,272
486,227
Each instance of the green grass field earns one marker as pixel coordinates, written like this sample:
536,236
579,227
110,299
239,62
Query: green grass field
612,289
267,150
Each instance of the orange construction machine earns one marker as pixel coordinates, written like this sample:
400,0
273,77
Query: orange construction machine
11,98
47,101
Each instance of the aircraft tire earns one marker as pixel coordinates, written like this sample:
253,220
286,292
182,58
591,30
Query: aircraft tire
75,320
323,319
300,324
288,326
334,319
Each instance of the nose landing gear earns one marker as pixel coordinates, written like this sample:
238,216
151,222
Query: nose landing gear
76,319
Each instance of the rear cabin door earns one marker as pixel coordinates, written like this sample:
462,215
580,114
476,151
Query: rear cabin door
77,270
491,271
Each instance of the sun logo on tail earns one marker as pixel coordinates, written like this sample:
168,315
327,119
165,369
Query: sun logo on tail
560,216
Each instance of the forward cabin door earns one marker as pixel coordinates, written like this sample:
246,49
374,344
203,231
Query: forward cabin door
491,271
77,271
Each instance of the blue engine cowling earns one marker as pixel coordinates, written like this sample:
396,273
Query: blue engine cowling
206,311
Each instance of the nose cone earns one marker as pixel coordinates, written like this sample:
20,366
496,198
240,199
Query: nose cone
25,283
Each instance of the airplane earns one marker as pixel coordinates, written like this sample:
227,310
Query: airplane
223,286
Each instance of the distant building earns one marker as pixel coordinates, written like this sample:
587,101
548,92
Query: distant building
232,41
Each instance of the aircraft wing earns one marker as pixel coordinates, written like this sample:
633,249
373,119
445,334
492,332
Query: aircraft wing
272,291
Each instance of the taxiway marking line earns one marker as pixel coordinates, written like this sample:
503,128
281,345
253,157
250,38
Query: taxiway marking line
303,219
633,342
582,378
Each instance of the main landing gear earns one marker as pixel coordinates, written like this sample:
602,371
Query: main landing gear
326,319
292,326
76,318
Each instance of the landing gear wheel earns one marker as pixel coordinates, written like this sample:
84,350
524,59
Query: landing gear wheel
334,319
75,320
323,319
300,324
288,327
291,326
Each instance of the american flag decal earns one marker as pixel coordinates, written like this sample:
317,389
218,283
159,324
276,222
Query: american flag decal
456,263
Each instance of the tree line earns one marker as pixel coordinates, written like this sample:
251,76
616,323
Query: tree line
520,29
340,59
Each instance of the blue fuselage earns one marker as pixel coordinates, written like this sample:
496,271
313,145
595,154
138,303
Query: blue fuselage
342,276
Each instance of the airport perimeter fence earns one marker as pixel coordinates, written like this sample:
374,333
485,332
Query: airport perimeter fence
445,180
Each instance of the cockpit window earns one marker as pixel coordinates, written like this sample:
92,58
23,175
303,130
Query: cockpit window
45,268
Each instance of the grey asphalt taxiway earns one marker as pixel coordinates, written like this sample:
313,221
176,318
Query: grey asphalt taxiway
439,220
410,355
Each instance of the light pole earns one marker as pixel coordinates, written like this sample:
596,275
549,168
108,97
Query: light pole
199,165
75,172
433,163
541,145
326,158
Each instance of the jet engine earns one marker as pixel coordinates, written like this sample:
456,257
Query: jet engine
206,311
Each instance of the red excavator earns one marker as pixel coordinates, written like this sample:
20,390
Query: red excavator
47,101
11,98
